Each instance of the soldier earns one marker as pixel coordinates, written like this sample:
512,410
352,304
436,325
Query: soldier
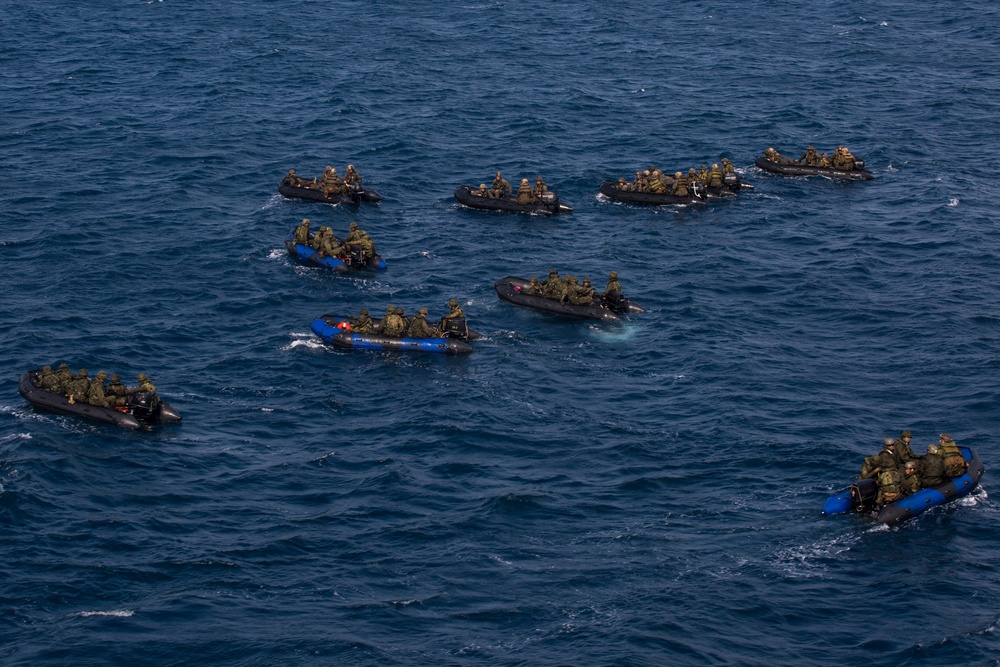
454,312
331,183
524,194
79,388
613,284
954,462
97,396
890,486
144,385
482,191
302,234
385,319
810,157
500,186
359,237
584,294
887,455
395,323
352,177
533,287
540,187
639,184
549,286
932,467
728,167
49,381
702,175
317,239
117,389
904,452
911,478
568,289
692,175
869,469
715,177
775,156
656,185
824,161
66,377
681,184
363,323
419,327
291,180
623,185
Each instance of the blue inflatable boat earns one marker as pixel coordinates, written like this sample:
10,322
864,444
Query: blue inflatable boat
334,331
351,262
860,496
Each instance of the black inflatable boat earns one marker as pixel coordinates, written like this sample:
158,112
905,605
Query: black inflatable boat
353,195
143,409
513,289
611,190
859,173
550,204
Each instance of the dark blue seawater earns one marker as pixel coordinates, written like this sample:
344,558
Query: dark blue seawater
640,493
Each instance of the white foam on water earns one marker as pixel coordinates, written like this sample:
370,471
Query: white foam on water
277,253
953,202
118,613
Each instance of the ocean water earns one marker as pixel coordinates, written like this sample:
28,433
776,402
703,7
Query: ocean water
637,493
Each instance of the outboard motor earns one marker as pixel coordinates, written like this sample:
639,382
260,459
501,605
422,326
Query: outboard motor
355,255
863,493
456,327
859,165
145,406
732,180
614,301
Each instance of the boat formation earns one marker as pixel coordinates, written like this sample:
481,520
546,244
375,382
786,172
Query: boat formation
896,484
63,392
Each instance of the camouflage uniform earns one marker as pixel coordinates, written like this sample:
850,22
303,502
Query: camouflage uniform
869,469
395,323
681,186
568,288
80,387
525,195
810,157
584,294
533,286
96,396
613,284
117,389
455,311
911,478
954,462
702,174
419,327
352,177
715,177
331,183
49,381
302,233
904,452
547,285
363,323
66,377
890,486
656,185
540,187
291,180
500,186
728,167
144,385
482,191
932,468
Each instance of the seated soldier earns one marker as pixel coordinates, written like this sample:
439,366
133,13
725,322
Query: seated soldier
117,389
395,323
49,381
656,184
144,385
79,388
715,177
352,178
809,158
482,191
302,234
291,180
890,486
385,319
533,287
623,185
775,156
331,183
932,468
97,395
552,286
584,294
363,323
954,462
911,478
824,161
568,288
419,327
500,187
728,167
613,285
65,376
702,175
681,186
524,194
640,183
454,323
540,187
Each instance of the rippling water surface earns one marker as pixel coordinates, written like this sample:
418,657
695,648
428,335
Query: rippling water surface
637,493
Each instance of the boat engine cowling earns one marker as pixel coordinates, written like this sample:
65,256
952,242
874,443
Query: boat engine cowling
145,406
732,178
456,327
859,164
549,197
863,493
